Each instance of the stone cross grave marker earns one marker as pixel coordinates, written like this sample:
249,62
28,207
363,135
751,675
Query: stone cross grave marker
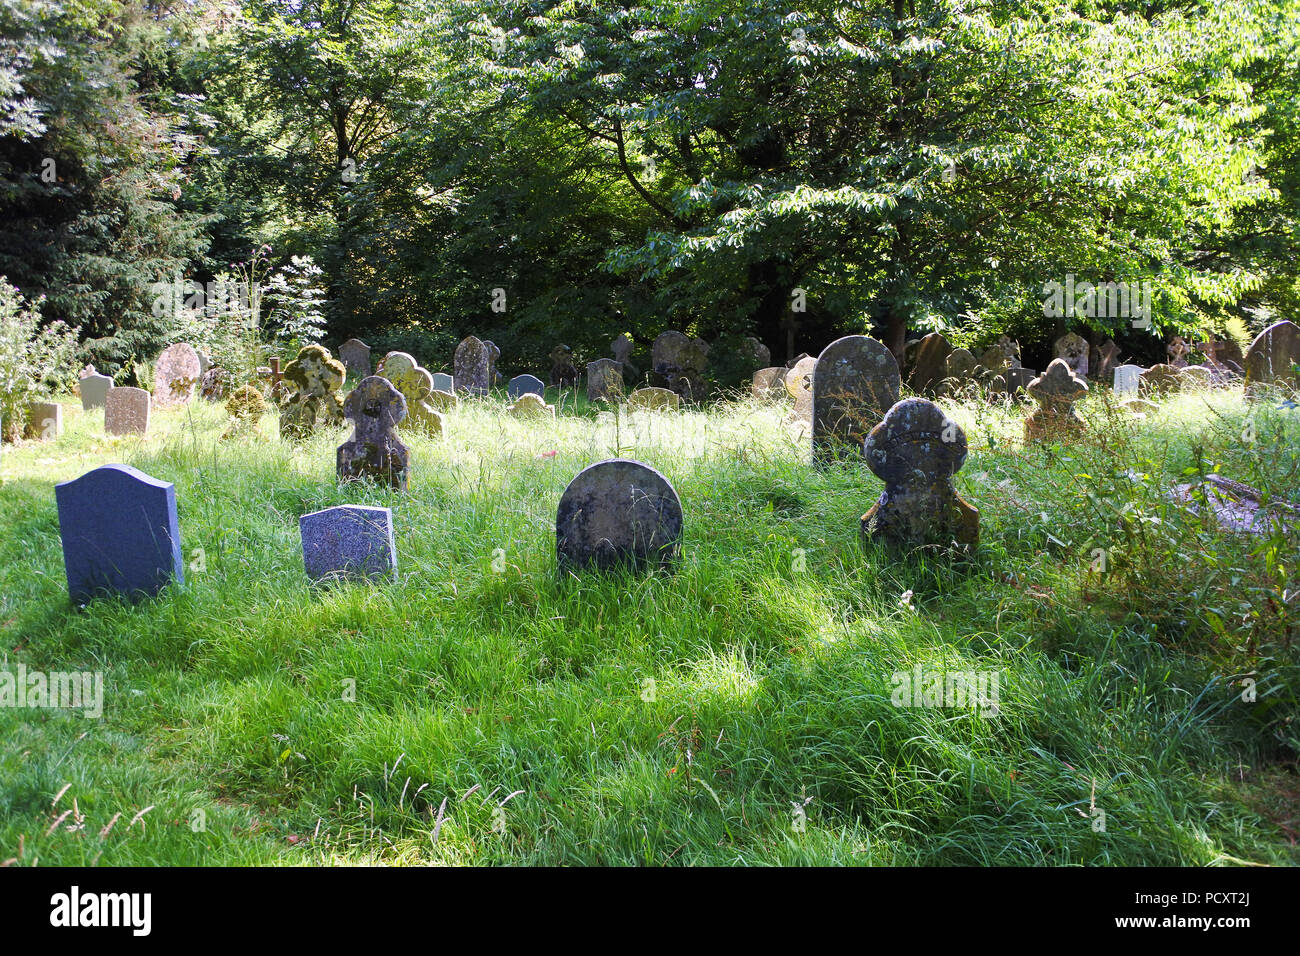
375,407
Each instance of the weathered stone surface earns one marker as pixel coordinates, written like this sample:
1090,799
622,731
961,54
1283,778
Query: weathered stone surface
375,407
1196,376
1128,379
176,374
1107,356
416,386
531,405
563,373
349,543
654,398
1011,381
679,363
960,369
757,353
355,356
94,389
799,378
1160,380
604,381
1056,391
442,401
1271,358
1236,506
769,383
442,382
622,348
523,384
120,532
126,411
618,513
44,420
475,366
856,382
1002,354
1178,350
930,363
315,378
1073,349
916,450
246,406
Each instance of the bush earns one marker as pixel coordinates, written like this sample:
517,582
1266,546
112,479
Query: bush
34,361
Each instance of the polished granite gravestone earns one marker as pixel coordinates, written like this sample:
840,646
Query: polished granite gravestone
349,543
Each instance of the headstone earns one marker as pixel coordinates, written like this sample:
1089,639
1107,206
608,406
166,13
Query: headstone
769,384
126,411
416,386
1107,355
563,373
1073,349
375,407
94,389
1128,378
315,377
213,384
1178,350
916,450
1011,381
176,374
679,363
604,381
1004,353
474,370
618,513
856,382
1161,380
120,532
246,406
960,369
1197,376
930,366
799,378
443,382
349,543
1056,391
531,405
652,398
355,356
442,401
44,420
1271,359
523,384
757,354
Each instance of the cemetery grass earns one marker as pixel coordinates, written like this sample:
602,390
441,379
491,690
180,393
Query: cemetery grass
484,710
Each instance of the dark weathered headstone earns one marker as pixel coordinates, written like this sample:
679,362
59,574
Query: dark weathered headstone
176,374
604,381
349,543
474,371
929,366
120,533
1178,350
355,356
94,389
375,407
916,450
618,513
855,383
1271,359
563,373
1002,354
1161,380
126,411
523,384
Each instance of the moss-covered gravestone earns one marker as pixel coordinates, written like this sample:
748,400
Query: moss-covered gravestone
856,381
375,407
1056,391
246,406
315,377
416,386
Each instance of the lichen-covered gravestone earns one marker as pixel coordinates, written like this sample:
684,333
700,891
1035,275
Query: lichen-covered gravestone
604,381
1056,391
416,386
355,356
524,384
246,406
176,374
769,383
349,543
618,513
315,377
120,533
929,363
94,389
1178,350
126,411
1002,354
652,398
375,407
474,366
916,450
1161,380
531,405
856,382
1271,359
1073,349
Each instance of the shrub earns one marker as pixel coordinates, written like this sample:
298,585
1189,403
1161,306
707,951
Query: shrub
34,360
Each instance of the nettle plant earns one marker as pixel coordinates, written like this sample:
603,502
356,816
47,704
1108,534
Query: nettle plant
35,359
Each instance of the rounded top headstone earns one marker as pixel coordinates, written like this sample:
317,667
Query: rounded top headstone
176,374
616,513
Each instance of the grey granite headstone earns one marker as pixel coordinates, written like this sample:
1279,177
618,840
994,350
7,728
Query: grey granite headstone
355,356
855,383
120,533
94,390
523,384
443,382
618,513
349,542
126,411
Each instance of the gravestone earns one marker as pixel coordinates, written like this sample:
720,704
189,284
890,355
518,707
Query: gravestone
1011,382
1271,358
1161,380
94,389
176,374
621,348
355,356
1004,353
1196,376
416,386
757,354
349,543
679,363
1056,391
563,373
474,371
1107,355
120,532
442,401
960,369
652,398
246,406
443,382
523,384
769,384
604,381
1178,350
930,363
126,411
856,382
315,377
1128,379
799,378
916,450
618,513
44,420
531,405
1073,349
375,407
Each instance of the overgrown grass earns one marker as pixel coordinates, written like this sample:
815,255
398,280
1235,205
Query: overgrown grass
521,717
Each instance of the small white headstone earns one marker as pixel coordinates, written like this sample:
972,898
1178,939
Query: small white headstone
1127,378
